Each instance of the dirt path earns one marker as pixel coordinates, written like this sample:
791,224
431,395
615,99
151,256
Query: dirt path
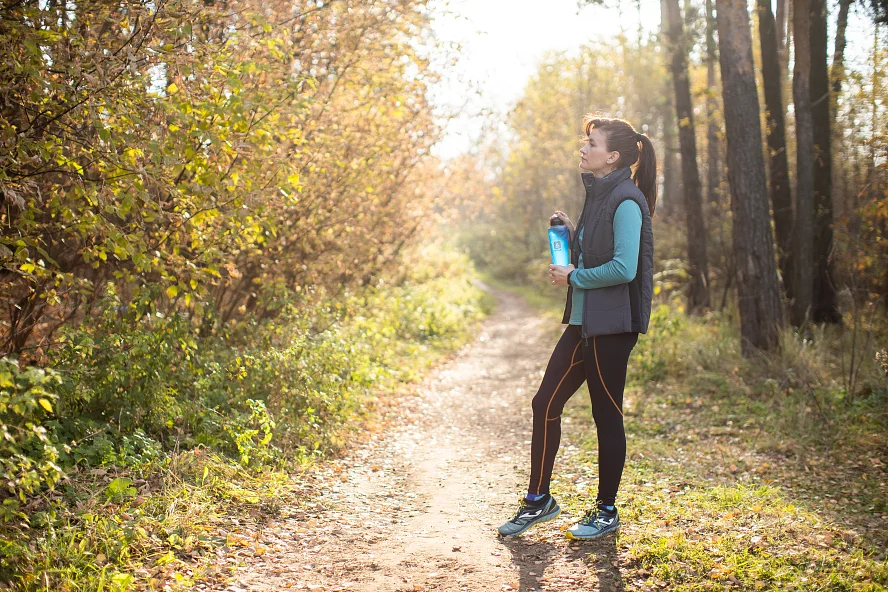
416,508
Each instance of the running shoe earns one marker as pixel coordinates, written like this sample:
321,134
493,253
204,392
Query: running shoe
530,514
595,523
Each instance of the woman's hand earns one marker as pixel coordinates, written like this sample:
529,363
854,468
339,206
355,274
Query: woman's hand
566,220
558,274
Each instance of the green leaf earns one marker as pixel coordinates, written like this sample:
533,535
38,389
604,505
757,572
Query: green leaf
120,487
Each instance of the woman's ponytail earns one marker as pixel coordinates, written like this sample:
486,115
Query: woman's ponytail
646,172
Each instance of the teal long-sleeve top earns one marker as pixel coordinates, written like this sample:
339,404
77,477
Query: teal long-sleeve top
619,270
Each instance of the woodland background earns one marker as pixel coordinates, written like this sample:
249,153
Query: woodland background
225,236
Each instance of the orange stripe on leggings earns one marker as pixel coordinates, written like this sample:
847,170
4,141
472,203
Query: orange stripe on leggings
552,398
595,349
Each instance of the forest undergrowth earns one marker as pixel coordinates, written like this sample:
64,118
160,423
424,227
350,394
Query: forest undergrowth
146,458
754,474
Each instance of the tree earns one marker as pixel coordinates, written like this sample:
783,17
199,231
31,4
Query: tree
824,307
210,163
758,291
698,290
804,219
713,159
837,71
672,182
778,167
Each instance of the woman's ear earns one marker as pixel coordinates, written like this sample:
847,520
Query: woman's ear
613,157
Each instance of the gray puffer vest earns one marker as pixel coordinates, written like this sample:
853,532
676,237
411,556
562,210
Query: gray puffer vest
624,308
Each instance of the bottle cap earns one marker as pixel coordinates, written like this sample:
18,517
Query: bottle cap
556,221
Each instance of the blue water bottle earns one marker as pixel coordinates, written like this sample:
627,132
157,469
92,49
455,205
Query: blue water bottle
559,241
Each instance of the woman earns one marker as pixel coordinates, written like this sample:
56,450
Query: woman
609,291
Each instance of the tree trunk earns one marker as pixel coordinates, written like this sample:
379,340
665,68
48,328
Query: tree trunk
778,166
837,72
803,281
672,190
837,76
698,290
713,153
758,291
824,307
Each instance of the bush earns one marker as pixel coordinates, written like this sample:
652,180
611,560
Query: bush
29,453
255,391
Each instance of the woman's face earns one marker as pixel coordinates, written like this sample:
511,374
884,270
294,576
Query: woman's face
595,156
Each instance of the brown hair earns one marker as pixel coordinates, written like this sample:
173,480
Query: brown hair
621,137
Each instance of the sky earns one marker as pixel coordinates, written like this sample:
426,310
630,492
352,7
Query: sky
501,43
503,40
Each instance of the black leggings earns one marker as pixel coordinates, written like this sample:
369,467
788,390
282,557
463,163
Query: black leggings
601,363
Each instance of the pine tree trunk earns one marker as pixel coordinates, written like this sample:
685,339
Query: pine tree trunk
837,77
758,289
837,72
698,290
778,166
672,189
824,307
803,280
713,156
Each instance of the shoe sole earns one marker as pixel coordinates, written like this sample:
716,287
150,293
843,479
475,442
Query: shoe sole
531,525
574,537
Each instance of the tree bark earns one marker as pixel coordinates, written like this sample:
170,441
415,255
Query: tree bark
698,290
758,290
713,152
837,72
803,280
824,307
837,77
778,166
672,190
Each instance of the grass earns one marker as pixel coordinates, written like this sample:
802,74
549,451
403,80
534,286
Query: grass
759,474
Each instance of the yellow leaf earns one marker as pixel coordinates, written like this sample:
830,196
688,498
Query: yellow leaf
45,404
172,89
173,127
172,291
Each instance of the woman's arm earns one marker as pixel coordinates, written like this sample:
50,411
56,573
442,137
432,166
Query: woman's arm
622,268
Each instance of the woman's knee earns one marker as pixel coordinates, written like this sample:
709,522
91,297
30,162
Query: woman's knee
545,405
538,404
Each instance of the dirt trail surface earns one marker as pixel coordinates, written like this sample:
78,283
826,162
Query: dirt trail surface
418,506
